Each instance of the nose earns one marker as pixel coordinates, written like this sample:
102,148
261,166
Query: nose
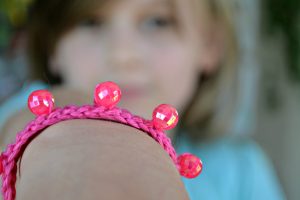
124,52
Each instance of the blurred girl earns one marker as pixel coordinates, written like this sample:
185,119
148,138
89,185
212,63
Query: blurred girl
179,52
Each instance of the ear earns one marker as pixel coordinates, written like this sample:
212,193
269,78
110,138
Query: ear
212,49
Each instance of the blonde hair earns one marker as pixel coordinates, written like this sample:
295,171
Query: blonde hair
211,110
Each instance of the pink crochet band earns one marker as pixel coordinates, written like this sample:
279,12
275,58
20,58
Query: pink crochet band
187,164
14,151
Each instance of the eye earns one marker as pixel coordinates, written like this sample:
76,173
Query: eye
159,22
92,23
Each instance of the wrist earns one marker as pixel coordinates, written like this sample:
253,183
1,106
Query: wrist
106,96
111,160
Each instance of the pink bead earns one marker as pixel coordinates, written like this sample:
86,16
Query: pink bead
190,165
107,94
165,117
40,102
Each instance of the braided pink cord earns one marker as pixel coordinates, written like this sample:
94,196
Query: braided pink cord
14,151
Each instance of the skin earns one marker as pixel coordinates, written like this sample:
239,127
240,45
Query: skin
88,159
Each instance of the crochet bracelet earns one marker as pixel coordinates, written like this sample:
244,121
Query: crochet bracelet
106,96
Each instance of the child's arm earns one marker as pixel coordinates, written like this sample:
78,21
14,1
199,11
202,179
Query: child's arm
92,159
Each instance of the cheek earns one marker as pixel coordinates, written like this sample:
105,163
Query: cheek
176,75
79,59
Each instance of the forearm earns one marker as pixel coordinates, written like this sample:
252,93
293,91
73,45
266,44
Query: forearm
92,159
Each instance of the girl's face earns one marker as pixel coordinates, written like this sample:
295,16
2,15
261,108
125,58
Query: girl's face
150,48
